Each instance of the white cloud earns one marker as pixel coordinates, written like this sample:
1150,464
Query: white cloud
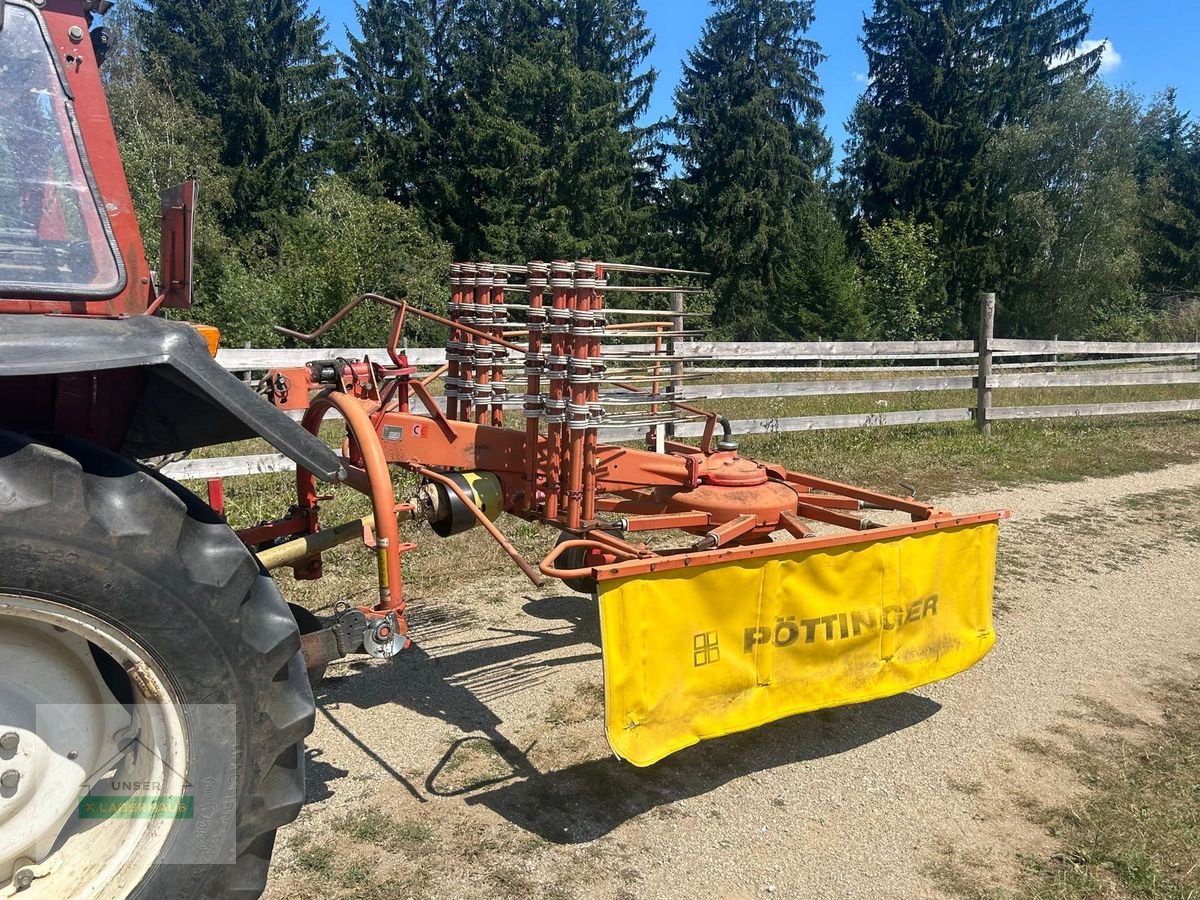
1110,59
861,78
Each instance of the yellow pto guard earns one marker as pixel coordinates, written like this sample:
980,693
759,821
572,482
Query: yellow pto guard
696,653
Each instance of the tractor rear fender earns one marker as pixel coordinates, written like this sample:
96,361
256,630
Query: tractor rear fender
184,399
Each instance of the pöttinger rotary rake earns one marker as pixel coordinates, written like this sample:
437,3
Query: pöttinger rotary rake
785,597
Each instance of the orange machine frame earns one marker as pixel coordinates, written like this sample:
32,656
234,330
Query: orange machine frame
564,477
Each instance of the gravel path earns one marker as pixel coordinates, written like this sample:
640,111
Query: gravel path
482,753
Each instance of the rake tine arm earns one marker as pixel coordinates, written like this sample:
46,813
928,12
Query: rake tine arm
337,317
919,511
795,525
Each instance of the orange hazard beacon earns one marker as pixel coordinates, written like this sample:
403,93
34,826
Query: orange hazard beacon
561,401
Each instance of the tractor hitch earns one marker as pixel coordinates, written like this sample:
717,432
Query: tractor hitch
354,630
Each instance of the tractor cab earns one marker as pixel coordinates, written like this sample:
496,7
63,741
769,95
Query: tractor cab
55,238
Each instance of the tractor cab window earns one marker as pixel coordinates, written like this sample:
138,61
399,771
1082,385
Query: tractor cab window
54,235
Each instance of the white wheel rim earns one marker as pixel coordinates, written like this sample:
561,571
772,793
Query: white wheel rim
66,734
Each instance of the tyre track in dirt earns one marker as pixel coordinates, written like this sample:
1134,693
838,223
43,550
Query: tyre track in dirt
489,737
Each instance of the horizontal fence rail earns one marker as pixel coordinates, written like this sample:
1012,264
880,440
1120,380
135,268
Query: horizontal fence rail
1080,410
827,388
1126,364
1116,348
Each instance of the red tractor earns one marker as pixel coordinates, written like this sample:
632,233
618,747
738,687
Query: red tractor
156,688
119,590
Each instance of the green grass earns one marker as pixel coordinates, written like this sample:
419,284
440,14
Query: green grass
1136,833
373,826
941,459
316,860
368,824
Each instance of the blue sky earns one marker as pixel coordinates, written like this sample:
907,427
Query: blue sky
1152,45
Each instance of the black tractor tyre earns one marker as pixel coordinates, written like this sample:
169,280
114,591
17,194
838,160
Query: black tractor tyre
85,528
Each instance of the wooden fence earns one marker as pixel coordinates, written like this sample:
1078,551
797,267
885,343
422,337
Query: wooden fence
985,365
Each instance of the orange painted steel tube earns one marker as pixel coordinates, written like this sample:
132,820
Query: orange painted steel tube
556,371
592,436
395,304
731,530
829,517
499,320
379,485
618,544
737,553
523,564
483,351
467,367
482,337
546,567
383,501
431,378
579,375
913,507
454,342
534,407
660,521
795,526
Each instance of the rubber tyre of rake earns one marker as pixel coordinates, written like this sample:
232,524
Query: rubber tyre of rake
87,529
576,558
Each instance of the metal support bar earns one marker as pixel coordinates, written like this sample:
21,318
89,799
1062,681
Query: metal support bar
310,544
987,322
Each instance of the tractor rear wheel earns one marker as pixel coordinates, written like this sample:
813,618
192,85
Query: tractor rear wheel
154,701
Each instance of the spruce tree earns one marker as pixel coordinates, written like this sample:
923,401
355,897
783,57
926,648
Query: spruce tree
395,103
387,74
1168,171
747,112
260,69
491,41
919,130
945,76
610,38
1034,49
544,139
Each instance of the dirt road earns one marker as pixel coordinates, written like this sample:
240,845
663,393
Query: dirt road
476,766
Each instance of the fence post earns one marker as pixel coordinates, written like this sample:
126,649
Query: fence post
987,322
673,351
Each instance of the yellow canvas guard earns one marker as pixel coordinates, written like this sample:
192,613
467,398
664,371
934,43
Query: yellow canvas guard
696,653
